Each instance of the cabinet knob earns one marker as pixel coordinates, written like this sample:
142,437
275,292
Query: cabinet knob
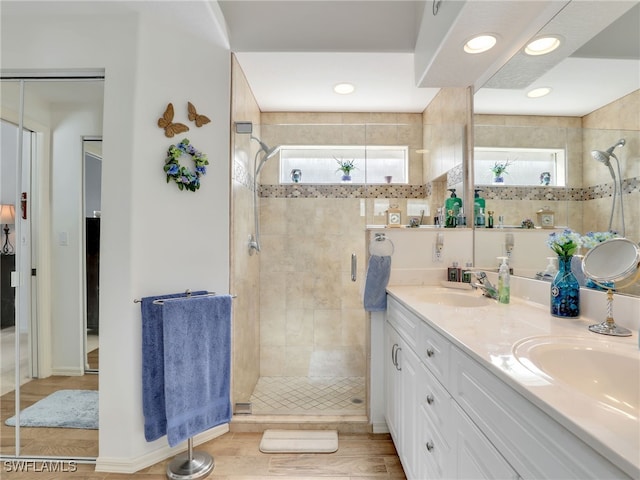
429,446
430,352
430,399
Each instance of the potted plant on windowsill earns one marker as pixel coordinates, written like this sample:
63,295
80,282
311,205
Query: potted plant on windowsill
345,166
499,169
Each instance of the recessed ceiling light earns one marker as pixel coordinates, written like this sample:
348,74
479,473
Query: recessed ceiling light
538,92
480,43
344,88
542,45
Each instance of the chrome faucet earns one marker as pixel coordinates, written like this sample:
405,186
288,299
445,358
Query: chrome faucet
483,283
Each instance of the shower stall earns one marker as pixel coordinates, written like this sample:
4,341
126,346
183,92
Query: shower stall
301,332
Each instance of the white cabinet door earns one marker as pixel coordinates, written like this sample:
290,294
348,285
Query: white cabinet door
409,365
402,367
392,382
476,457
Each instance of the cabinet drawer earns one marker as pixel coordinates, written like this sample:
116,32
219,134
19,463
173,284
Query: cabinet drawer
435,453
405,322
476,457
434,400
434,353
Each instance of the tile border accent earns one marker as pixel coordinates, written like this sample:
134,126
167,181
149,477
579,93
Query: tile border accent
489,192
342,191
605,190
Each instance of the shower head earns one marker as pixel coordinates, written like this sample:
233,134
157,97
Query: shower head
268,153
604,157
619,143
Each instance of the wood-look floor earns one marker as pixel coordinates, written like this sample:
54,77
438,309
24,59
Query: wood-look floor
65,442
237,457
361,456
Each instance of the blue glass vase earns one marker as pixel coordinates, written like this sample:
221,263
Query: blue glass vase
565,291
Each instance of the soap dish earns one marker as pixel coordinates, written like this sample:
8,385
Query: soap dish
458,285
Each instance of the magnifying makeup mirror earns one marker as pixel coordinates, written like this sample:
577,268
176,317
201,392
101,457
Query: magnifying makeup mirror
615,261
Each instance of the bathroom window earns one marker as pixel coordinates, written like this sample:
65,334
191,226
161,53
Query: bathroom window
527,166
317,164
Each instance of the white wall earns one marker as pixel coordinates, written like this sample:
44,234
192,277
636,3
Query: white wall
160,239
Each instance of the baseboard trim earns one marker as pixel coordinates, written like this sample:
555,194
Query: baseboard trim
133,465
68,372
380,427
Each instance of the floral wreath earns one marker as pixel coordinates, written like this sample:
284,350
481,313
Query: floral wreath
184,177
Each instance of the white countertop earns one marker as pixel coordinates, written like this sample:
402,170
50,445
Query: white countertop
488,334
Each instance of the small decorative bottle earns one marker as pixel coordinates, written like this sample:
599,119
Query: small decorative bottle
489,218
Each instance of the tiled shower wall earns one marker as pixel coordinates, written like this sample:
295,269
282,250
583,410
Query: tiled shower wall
312,319
586,204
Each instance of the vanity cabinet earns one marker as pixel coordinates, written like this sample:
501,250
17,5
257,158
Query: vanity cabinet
535,444
451,417
429,425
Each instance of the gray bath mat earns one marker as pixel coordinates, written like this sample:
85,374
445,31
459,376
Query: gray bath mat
299,441
63,409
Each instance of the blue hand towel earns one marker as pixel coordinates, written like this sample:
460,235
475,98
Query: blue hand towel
197,364
378,272
153,404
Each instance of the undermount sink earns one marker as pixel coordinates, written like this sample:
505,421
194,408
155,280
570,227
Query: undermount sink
599,369
454,299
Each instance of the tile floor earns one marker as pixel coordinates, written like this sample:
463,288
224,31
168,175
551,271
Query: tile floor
309,395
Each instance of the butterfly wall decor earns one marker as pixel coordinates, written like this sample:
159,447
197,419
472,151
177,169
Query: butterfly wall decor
194,116
166,122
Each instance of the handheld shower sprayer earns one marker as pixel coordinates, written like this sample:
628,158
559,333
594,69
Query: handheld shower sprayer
605,158
244,128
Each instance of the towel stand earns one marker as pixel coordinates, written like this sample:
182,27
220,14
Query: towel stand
190,465
187,293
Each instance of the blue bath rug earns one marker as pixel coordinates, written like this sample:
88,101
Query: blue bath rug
63,409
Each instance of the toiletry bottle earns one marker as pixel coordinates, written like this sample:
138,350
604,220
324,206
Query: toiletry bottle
453,272
462,220
452,205
489,218
480,218
504,279
466,275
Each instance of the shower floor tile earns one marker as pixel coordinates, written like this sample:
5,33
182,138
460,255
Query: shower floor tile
309,395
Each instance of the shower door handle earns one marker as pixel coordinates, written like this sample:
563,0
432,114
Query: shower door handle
354,266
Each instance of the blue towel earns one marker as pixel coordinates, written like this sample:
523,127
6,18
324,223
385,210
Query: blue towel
375,295
153,405
197,365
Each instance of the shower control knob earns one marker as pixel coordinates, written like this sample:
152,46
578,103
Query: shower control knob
430,352
430,399
429,446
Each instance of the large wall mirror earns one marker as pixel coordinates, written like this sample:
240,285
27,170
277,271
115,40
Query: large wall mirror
50,160
549,142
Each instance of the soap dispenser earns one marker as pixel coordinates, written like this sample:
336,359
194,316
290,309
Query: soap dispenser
504,279
452,206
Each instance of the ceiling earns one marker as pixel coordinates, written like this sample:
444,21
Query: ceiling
398,53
